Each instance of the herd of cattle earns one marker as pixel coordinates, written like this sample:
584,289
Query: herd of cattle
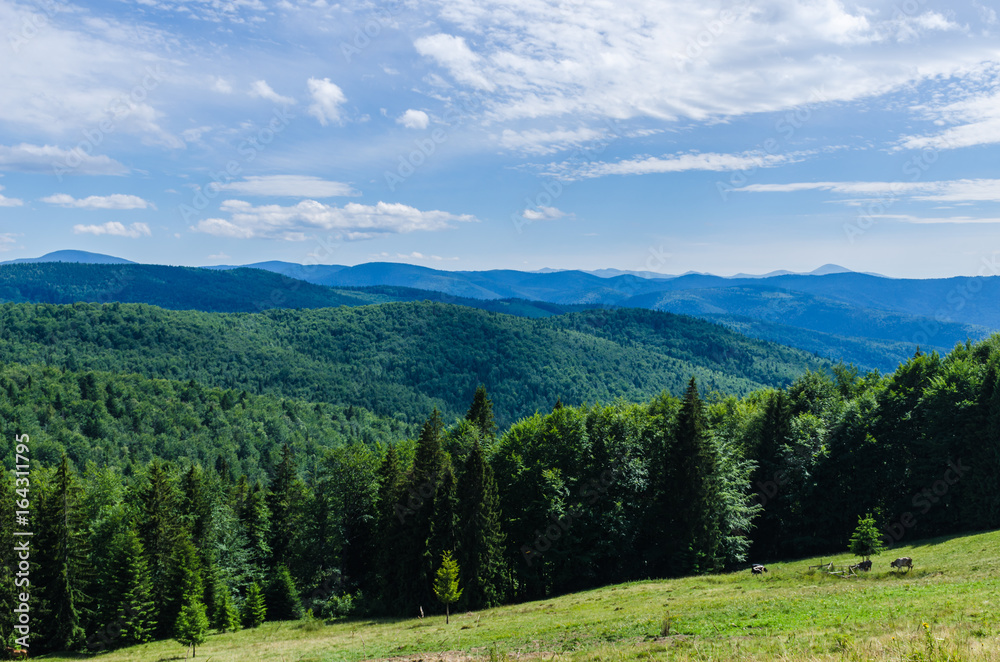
866,565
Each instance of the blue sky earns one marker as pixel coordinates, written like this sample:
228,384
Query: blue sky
736,136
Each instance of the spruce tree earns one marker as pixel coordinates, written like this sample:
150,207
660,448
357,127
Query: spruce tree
481,413
481,538
62,562
423,485
135,608
161,532
866,540
393,512
254,610
284,500
446,583
282,598
191,627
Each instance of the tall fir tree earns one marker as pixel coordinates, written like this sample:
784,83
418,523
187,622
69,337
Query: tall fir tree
481,539
135,610
481,413
393,511
161,532
285,504
61,562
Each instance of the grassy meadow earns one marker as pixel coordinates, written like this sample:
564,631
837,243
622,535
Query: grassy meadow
946,608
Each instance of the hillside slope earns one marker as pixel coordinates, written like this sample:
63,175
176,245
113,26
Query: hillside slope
401,359
943,609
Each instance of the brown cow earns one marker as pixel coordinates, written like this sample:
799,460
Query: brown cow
902,562
17,653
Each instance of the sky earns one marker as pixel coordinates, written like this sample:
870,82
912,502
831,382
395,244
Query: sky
647,135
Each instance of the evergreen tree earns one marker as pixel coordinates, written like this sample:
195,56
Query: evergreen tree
62,562
481,538
866,540
282,598
481,413
416,525
192,625
161,533
446,583
254,610
392,514
285,504
226,618
444,523
135,610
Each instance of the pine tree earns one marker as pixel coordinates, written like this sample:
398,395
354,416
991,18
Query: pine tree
225,616
446,583
62,562
481,538
254,610
481,413
866,540
191,627
282,598
444,522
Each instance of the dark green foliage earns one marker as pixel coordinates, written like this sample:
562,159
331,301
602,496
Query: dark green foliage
62,566
254,609
481,539
481,413
343,355
281,597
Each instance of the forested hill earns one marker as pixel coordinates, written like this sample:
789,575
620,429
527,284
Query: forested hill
403,359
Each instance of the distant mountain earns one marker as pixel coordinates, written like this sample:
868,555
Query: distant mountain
82,257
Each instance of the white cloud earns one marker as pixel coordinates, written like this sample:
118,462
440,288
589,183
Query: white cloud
50,159
262,90
975,120
705,60
222,85
542,214
327,100
9,202
297,186
708,161
7,241
114,229
956,190
536,141
115,201
452,53
414,119
352,221
926,220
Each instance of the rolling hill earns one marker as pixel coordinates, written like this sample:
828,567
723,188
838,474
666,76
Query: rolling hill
403,359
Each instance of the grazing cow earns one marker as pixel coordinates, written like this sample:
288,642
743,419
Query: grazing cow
902,562
864,565
757,569
17,653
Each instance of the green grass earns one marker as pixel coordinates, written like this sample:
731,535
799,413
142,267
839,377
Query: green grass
946,608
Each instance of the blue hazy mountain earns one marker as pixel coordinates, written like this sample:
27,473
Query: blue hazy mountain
82,257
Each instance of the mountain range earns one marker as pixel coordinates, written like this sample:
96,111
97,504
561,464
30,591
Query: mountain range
867,319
